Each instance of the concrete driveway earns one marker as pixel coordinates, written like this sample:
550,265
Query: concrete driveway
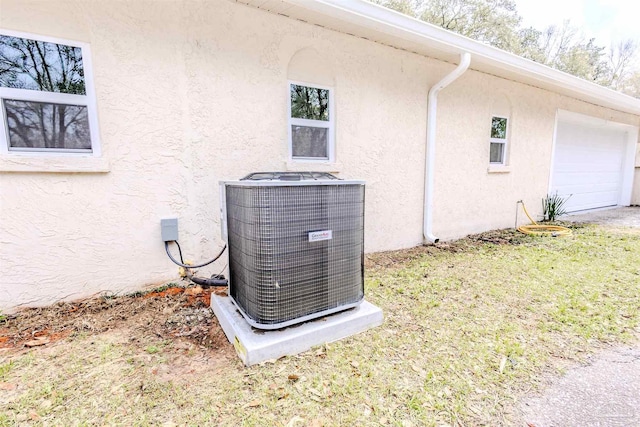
621,217
605,391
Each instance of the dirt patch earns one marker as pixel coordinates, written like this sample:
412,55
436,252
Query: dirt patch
497,237
166,313
399,257
508,236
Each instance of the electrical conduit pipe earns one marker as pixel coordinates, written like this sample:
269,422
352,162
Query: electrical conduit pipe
432,107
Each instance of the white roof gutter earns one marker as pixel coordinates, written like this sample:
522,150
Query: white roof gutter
376,23
432,108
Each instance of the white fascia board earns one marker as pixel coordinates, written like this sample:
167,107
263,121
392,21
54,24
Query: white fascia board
402,28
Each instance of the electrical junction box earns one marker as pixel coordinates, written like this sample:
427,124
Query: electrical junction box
169,228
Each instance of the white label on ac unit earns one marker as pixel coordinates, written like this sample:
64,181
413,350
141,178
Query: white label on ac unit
317,236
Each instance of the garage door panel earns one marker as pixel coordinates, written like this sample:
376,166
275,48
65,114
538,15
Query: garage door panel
579,181
576,154
588,165
607,192
594,146
593,200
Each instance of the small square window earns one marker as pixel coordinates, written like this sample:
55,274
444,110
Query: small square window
46,98
498,140
311,122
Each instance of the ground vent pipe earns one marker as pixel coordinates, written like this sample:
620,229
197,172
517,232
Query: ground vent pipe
432,107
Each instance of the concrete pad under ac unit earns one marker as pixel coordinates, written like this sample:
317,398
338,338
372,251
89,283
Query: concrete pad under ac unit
254,346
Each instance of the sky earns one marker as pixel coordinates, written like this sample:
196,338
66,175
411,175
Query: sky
608,21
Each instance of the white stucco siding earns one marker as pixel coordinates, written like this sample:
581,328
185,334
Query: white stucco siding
192,93
635,197
469,198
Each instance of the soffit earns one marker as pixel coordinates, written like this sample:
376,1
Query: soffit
366,20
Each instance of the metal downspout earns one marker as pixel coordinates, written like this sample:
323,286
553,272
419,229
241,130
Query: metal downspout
432,107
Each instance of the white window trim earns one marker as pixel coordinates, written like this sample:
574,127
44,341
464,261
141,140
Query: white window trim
504,141
330,124
88,100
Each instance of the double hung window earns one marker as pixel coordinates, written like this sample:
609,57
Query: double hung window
46,96
311,122
498,144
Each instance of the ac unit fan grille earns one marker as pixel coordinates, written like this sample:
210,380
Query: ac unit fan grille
276,274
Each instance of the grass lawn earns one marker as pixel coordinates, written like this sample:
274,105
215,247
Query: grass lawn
470,327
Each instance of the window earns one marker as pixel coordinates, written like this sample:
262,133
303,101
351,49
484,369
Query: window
310,122
46,100
498,147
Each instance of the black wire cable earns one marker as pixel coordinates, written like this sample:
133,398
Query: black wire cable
179,251
181,264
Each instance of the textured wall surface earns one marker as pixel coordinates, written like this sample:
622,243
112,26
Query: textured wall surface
635,197
469,198
191,93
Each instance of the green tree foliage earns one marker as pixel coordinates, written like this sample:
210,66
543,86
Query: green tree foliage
497,22
494,22
309,103
490,21
408,7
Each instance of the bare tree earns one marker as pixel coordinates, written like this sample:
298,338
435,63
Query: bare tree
563,47
621,59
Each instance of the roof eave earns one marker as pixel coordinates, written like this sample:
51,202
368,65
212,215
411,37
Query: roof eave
371,21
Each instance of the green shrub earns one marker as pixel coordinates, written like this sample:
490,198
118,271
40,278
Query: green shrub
553,206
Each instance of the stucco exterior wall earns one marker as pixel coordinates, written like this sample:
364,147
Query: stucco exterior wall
471,197
192,93
635,196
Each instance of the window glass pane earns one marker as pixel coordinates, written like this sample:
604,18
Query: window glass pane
309,103
38,65
496,154
309,141
499,127
45,125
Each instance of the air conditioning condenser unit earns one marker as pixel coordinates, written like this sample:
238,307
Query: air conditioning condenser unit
296,245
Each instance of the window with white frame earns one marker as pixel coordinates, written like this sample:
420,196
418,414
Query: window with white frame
310,122
498,145
46,97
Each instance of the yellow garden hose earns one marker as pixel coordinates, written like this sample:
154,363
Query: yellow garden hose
547,230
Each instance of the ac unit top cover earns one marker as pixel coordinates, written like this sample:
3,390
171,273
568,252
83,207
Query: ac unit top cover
296,245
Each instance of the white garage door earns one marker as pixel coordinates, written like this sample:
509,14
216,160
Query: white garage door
588,165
